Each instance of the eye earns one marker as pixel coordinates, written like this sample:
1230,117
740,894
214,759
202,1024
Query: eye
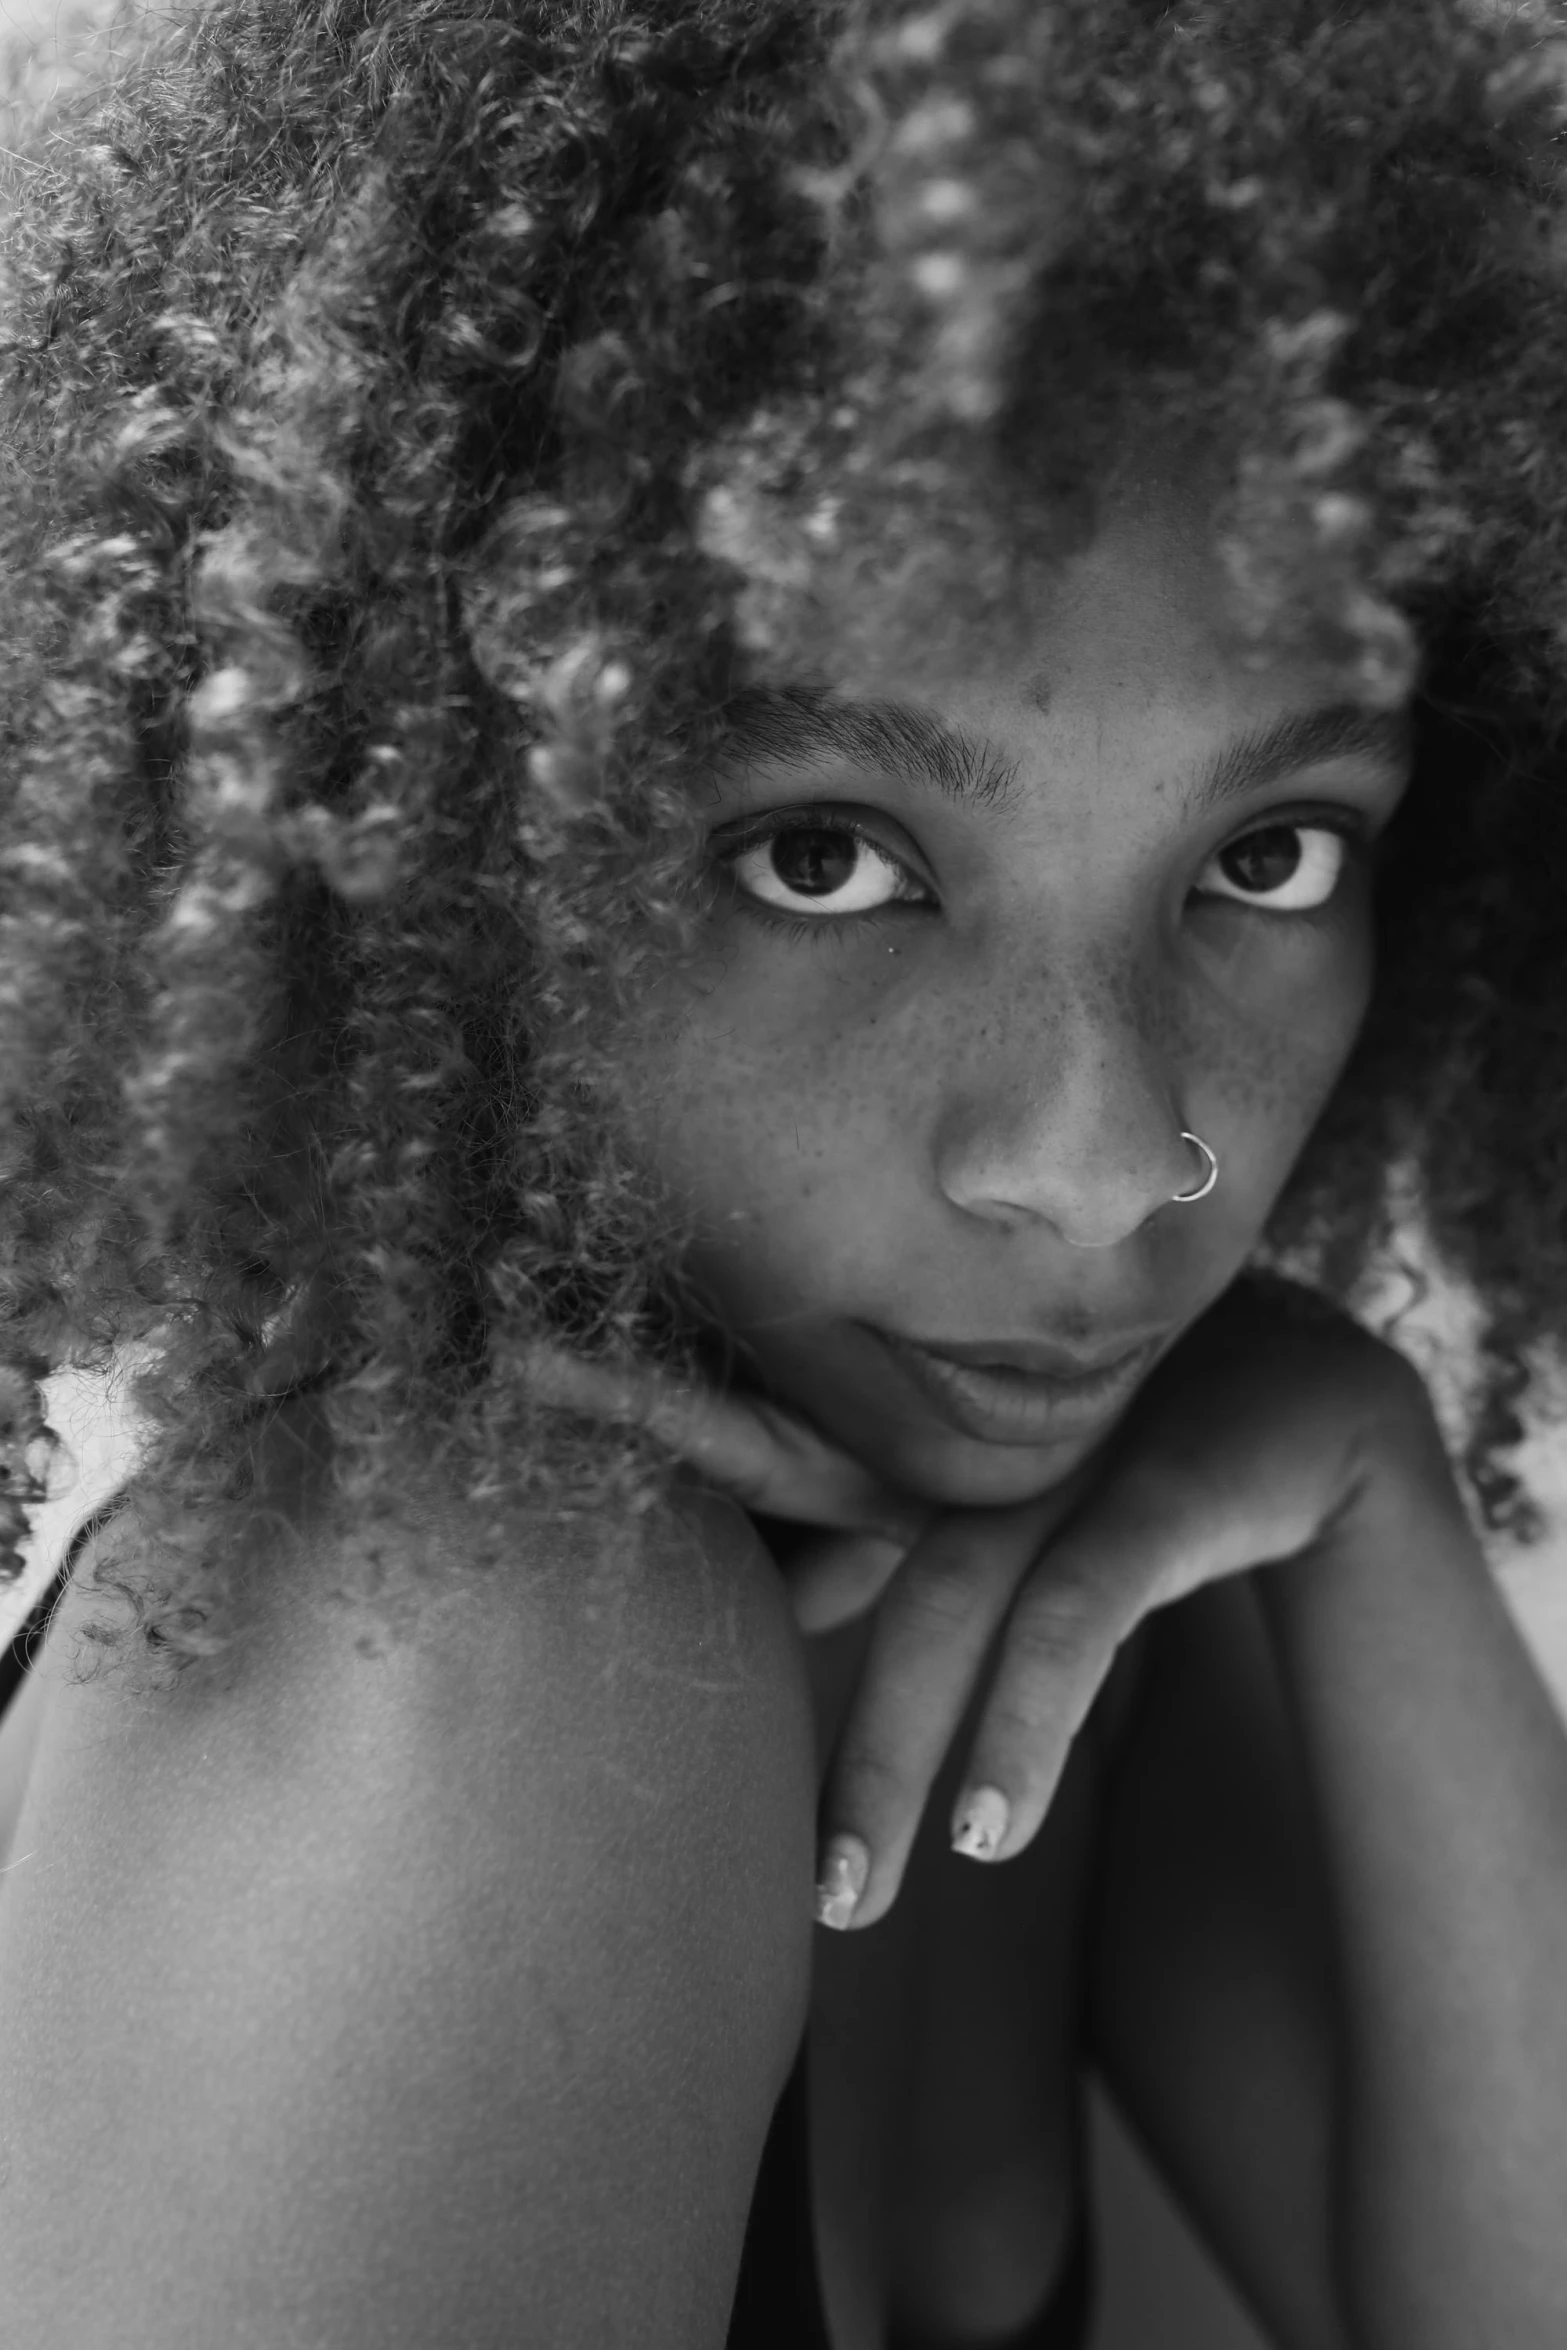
1282,868
812,867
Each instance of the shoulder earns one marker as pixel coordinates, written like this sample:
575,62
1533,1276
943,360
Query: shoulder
624,1615
469,1961
604,1680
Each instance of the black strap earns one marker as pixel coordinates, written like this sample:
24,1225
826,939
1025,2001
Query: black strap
778,2302
18,1656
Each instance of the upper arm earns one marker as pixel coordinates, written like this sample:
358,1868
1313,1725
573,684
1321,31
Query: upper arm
435,1995
1211,2000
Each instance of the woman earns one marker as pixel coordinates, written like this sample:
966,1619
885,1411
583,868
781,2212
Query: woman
699,717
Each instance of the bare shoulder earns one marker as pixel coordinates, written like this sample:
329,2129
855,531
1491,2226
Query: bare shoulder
381,1987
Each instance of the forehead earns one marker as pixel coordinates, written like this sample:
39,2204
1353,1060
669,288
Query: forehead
1120,653
1137,615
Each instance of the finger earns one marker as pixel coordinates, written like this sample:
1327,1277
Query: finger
937,1620
798,1474
770,1460
835,1577
1084,1596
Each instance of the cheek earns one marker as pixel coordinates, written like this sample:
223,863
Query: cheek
1271,1029
763,1110
782,1101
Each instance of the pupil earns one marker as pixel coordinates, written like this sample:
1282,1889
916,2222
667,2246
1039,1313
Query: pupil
815,862
1263,860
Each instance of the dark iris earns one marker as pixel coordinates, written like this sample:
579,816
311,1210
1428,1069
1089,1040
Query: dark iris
1263,860
814,860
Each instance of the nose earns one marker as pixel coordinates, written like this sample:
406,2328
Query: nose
1068,1119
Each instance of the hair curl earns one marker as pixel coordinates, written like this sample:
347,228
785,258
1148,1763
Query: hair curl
424,417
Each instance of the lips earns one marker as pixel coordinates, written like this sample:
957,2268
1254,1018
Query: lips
1023,1391
1034,1355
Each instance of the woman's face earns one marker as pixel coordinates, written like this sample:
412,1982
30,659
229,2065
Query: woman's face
985,944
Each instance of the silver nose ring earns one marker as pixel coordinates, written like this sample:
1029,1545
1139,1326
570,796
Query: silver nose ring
1210,1173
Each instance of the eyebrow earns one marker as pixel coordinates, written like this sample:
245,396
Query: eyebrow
1302,738
899,738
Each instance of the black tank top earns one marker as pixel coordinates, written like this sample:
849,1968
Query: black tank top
778,2302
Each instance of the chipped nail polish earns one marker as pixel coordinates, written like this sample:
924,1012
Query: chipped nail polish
845,1866
982,1824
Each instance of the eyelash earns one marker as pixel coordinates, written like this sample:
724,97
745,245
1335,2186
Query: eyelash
802,926
1351,829
1359,838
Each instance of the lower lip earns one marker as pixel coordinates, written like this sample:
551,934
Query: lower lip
1001,1406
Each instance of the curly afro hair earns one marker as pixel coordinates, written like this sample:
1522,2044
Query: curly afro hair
425,418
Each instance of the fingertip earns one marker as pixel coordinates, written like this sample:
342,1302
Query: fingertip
980,1820
841,1878
836,1577
900,1524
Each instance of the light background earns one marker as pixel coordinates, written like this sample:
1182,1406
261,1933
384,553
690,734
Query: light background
1159,2291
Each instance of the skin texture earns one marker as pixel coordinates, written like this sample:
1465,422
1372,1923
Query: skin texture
375,1992
332,1811
397,463
960,1119
959,1116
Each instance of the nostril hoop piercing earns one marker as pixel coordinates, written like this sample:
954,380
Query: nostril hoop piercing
1210,1173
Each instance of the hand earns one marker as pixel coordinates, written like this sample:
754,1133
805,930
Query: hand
769,1460
1254,1442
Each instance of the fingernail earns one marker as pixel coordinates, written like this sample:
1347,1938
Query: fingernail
982,1824
845,1866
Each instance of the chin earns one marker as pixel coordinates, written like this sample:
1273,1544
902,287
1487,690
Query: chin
960,1473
